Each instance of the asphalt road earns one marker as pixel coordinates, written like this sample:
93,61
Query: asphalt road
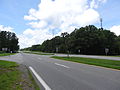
64,75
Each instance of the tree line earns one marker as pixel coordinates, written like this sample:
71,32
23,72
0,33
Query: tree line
8,41
85,40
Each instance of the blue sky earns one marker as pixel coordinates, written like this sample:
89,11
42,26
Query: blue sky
33,20
12,13
110,13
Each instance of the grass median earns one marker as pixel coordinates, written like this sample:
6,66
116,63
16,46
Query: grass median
6,54
98,62
39,53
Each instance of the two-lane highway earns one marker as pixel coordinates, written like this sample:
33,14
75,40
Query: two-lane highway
64,75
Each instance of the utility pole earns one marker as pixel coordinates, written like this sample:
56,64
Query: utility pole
53,44
101,21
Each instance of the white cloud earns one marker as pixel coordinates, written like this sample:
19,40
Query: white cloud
40,24
89,16
96,3
31,16
31,37
64,15
115,29
6,28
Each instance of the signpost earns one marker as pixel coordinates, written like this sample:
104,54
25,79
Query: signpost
68,53
79,51
56,49
106,51
4,49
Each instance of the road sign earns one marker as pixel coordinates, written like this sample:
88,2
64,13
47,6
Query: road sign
4,49
79,51
106,50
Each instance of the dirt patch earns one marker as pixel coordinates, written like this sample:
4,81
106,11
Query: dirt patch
25,82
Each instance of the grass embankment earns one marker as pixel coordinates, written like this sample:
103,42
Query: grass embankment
9,76
6,54
16,77
33,81
39,53
98,62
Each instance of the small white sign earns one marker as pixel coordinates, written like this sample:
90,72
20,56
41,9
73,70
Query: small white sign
106,50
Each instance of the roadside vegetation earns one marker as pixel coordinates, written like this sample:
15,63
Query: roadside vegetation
97,62
38,53
15,77
88,40
9,76
6,54
8,42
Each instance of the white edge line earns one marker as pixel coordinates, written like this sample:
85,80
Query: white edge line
40,79
61,65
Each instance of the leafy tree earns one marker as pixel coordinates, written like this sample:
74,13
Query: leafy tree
85,40
8,40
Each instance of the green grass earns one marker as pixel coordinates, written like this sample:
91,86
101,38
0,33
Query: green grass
110,55
44,53
33,81
39,53
6,54
9,76
98,62
115,56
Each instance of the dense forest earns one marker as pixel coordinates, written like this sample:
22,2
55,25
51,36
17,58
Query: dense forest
8,42
85,40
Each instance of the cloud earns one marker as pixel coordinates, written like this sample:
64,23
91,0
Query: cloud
30,37
6,28
40,24
60,16
96,3
115,29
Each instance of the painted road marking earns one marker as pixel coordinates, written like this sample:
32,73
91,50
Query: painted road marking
40,79
61,65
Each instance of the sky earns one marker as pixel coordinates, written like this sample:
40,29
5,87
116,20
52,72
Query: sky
35,21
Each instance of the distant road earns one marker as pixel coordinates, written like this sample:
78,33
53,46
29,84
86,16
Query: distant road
92,56
65,75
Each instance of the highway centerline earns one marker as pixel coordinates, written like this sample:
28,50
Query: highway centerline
40,79
61,65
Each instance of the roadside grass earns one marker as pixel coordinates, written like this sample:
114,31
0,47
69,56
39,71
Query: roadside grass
109,55
97,62
9,76
116,56
16,77
39,53
6,54
33,81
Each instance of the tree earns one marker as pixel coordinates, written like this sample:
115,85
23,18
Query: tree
8,40
87,40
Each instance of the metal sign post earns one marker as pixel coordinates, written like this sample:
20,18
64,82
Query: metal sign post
106,51
79,51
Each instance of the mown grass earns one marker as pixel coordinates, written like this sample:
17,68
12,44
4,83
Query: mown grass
39,53
9,76
33,81
6,54
98,62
